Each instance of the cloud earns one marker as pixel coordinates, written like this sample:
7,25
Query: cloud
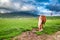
6,4
16,6
5,1
42,0
41,6
54,5
43,11
27,7
46,8
4,11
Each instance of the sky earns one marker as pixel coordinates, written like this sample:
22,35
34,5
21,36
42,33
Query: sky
38,7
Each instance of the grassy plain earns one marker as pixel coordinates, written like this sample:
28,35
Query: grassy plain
10,27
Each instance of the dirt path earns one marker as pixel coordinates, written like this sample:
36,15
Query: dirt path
30,35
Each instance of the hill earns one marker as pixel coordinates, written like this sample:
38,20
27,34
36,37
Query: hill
17,14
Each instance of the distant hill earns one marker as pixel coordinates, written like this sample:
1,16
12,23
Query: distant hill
17,14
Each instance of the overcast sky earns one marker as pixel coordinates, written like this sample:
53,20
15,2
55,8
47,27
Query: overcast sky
45,7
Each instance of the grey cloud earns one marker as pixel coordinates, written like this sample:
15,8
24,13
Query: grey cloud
53,7
16,6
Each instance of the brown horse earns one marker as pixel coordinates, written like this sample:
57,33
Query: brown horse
42,20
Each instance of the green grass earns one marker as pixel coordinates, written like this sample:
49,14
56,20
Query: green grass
50,27
10,27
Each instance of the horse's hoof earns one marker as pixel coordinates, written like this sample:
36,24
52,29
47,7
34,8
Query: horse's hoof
41,30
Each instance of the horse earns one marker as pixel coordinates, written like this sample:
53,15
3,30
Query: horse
41,22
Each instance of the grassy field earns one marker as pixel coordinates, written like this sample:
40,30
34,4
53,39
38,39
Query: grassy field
10,27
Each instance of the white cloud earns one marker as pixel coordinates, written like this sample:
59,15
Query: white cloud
53,1
27,7
47,12
29,1
43,11
16,5
4,11
4,1
5,4
22,6
44,3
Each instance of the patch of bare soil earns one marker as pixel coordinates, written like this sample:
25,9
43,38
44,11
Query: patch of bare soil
30,35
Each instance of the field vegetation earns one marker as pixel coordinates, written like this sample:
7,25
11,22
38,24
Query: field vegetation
10,27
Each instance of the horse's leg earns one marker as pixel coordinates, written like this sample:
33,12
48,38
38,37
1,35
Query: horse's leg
40,25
